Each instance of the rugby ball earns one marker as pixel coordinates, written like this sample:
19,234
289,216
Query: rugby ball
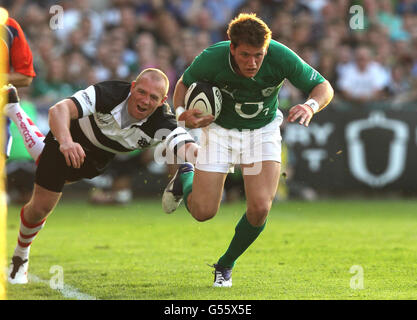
205,97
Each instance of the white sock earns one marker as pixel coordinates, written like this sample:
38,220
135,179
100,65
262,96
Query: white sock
22,252
27,233
32,136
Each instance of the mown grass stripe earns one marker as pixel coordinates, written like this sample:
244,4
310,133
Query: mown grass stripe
67,291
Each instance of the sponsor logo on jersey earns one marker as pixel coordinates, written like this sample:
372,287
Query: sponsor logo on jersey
87,98
143,143
226,89
268,91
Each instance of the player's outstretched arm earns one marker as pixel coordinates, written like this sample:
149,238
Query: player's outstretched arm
322,93
60,116
319,98
179,94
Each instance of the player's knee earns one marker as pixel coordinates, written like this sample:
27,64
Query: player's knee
257,220
259,209
203,213
202,218
38,211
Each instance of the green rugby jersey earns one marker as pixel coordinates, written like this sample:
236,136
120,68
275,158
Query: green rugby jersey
251,103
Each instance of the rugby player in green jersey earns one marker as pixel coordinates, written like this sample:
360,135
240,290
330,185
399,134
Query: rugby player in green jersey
249,70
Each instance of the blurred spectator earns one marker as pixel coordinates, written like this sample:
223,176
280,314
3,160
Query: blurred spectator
301,34
115,68
263,8
54,86
110,62
145,47
212,15
315,6
164,62
186,51
414,67
75,40
120,41
378,39
128,21
390,20
410,24
222,10
34,18
363,80
344,58
77,66
400,81
75,12
87,38
202,20
168,30
202,41
281,27
99,69
327,66
293,7
45,47
310,55
404,6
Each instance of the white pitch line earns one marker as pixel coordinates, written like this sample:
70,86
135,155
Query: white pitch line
67,291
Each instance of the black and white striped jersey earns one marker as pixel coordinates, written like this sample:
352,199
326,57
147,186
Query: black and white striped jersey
105,122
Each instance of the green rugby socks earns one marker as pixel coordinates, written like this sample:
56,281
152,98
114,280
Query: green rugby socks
245,235
187,185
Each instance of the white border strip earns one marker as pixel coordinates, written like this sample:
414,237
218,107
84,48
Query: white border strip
67,291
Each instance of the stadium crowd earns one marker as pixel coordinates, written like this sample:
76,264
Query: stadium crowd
100,40
76,43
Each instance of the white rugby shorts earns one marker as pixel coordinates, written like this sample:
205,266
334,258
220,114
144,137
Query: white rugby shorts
222,148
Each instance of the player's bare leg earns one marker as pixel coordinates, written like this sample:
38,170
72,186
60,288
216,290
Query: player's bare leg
204,202
260,190
32,219
202,191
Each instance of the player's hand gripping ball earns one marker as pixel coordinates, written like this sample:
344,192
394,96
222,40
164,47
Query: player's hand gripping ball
204,97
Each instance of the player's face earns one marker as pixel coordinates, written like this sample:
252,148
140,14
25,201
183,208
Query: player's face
248,59
147,94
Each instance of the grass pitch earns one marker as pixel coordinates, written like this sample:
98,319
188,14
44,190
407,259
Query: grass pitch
306,251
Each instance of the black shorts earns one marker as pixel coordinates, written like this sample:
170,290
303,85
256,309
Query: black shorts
52,171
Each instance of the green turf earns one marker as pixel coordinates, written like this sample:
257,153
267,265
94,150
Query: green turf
305,252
